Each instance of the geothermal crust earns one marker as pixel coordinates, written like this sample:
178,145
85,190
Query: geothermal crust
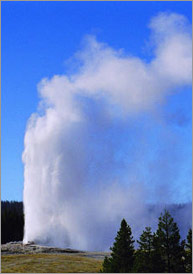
32,248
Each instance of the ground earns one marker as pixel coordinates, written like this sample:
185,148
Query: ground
49,263
19,258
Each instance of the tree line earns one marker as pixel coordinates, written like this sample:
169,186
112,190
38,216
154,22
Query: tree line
161,251
158,252
12,221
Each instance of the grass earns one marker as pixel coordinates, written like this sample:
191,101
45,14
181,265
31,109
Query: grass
49,263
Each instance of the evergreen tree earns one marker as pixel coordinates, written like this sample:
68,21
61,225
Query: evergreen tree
143,258
12,221
168,244
189,252
158,263
122,255
106,268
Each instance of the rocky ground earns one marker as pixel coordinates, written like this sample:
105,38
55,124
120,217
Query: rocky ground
32,248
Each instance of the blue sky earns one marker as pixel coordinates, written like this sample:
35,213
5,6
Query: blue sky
38,40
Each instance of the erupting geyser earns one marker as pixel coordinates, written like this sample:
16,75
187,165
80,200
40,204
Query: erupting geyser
88,148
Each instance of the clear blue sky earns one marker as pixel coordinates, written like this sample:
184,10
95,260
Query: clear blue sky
37,39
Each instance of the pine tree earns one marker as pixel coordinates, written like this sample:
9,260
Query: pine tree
158,263
122,255
168,243
146,239
106,268
143,258
12,221
189,252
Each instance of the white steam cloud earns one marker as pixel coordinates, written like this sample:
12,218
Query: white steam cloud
81,167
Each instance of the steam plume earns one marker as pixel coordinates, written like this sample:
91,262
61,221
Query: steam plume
87,159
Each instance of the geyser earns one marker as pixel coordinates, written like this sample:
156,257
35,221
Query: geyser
89,159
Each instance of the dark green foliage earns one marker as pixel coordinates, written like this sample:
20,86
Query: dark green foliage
146,241
148,257
189,252
161,252
158,262
189,240
106,268
12,221
143,258
168,244
122,256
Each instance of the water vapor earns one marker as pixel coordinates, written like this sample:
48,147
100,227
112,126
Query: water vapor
89,159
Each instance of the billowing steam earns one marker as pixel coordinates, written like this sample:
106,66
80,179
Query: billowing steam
89,160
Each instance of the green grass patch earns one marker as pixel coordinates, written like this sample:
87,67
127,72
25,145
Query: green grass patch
49,263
